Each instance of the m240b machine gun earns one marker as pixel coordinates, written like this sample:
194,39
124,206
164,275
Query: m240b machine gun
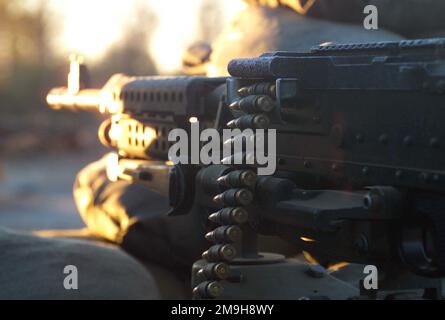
360,172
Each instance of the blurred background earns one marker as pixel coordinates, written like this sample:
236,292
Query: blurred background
41,150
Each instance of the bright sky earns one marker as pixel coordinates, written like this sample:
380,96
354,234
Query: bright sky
89,27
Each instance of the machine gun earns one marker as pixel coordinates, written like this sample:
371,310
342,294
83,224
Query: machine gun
359,173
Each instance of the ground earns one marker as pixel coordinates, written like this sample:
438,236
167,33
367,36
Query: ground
36,190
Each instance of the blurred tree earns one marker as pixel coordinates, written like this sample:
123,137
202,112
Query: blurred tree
25,54
24,32
130,55
29,68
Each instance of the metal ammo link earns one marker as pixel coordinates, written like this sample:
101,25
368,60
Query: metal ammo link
237,192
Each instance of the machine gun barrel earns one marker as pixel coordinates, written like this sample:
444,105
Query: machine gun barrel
76,97
62,98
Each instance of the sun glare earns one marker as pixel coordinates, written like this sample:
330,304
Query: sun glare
178,25
90,27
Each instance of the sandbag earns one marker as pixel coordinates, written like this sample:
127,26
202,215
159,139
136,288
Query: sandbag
33,268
